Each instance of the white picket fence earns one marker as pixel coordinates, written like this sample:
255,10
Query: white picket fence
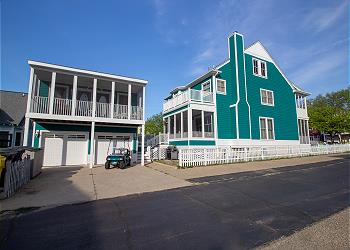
17,174
158,153
190,157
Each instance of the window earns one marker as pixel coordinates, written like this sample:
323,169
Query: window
259,68
185,124
18,139
208,125
178,125
206,87
196,123
267,97
221,86
266,129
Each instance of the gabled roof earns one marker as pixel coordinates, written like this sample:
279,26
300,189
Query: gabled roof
12,107
257,49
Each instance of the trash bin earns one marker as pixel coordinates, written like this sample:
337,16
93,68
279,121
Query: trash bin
168,153
172,152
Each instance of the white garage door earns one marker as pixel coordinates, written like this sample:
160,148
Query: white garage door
105,144
65,149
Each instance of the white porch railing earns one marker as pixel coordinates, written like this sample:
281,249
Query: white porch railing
83,108
158,140
103,110
62,106
136,113
120,111
190,94
40,104
17,174
222,155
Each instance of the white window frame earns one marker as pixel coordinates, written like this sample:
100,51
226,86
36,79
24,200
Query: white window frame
267,128
261,97
259,67
224,82
206,82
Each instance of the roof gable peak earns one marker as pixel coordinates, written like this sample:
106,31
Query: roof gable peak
259,50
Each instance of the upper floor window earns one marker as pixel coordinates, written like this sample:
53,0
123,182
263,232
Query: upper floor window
221,86
259,68
267,130
267,97
206,87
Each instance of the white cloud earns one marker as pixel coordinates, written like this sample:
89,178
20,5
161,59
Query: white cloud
322,18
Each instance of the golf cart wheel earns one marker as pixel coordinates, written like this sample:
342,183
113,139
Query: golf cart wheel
122,165
107,165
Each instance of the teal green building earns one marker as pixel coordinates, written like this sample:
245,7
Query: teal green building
246,100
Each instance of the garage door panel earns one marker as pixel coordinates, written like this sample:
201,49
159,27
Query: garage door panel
105,143
65,149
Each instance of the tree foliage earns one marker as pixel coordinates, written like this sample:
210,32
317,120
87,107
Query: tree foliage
330,113
154,124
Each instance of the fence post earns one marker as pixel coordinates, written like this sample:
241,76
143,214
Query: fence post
180,157
205,157
262,153
245,154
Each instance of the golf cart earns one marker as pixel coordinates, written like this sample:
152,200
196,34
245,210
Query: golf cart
120,158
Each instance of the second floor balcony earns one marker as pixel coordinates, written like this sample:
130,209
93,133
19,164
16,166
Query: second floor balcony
76,96
186,96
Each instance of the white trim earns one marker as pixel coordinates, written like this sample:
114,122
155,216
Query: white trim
94,95
52,92
74,94
210,88
92,145
220,92
256,142
266,103
237,84
112,99
222,64
86,72
215,111
267,128
83,118
129,101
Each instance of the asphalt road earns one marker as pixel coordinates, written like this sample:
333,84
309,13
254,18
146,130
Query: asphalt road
235,211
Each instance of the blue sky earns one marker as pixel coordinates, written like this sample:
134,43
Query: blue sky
170,43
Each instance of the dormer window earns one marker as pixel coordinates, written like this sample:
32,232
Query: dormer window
259,68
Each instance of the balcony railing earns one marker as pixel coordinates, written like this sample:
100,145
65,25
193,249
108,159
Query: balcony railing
62,106
188,95
120,111
103,109
84,108
40,105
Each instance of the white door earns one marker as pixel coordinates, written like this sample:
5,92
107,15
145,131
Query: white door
106,143
65,149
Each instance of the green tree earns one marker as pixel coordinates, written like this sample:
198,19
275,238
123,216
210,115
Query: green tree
154,124
330,113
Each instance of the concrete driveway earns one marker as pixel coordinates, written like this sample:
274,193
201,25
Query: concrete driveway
66,185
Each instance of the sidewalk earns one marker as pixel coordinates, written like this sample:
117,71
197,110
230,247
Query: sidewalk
197,172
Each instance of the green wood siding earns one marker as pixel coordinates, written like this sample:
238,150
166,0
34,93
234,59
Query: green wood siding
284,110
193,143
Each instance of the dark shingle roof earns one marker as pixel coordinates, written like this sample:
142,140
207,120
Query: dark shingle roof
12,107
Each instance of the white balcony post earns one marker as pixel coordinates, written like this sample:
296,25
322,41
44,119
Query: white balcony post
174,126
168,126
30,87
129,102
215,114
74,95
52,92
112,99
143,145
94,98
26,131
143,102
189,121
182,126
92,145
203,124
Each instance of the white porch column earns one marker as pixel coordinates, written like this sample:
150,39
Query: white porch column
143,102
29,101
74,94
52,92
143,145
174,126
92,145
129,101
168,118
94,98
189,121
26,131
182,126
202,116
215,114
33,133
112,99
